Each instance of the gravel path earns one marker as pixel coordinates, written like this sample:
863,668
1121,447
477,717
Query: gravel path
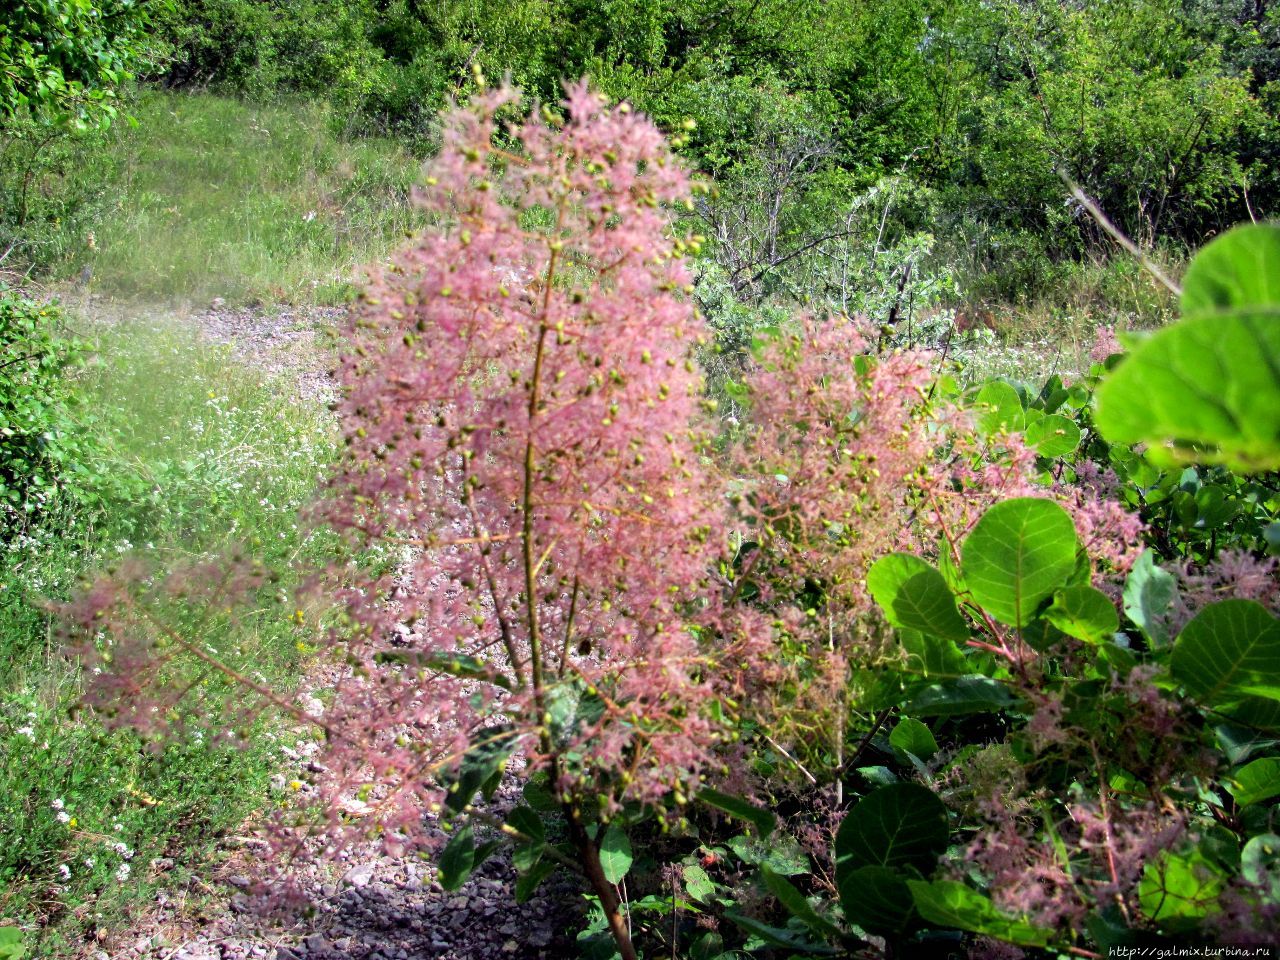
368,906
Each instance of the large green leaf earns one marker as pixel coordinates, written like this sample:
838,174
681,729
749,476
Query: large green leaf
457,860
901,825
615,853
530,836
1260,864
913,595
877,899
949,903
1017,555
1239,269
798,906
529,880
912,736
1255,782
932,656
961,696
999,407
10,944
483,762
1208,387
1148,594
697,883
780,937
1180,887
1084,613
1229,649
1053,435
1259,713
525,820
782,854
1239,743
11,947
763,820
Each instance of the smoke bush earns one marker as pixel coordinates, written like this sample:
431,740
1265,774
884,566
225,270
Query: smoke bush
542,530
521,412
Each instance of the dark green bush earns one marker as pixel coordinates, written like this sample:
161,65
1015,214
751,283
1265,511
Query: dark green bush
42,446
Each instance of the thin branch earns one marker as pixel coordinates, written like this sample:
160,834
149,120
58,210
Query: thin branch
1118,235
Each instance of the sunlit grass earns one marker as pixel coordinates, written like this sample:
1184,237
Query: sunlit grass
197,453
214,197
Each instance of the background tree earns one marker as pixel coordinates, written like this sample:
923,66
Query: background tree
62,61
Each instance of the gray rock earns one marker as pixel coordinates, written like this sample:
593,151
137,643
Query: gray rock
359,876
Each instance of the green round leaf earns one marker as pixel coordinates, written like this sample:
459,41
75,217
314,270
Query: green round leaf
999,408
1017,555
1260,863
1241,268
1255,782
1229,649
1208,387
1084,613
932,656
901,825
1180,887
949,903
914,596
1053,436
960,696
912,736
1203,390
615,853
877,899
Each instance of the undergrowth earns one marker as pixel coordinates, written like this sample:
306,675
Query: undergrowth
192,453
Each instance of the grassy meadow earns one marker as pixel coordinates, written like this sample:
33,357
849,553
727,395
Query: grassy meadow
196,454
207,196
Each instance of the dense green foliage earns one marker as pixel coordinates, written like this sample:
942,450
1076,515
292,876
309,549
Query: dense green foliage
1161,110
1074,724
861,148
41,445
1058,759
62,61
1009,734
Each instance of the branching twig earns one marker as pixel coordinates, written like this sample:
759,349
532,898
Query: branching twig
1116,234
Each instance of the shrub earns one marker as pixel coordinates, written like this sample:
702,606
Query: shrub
42,446
61,63
520,413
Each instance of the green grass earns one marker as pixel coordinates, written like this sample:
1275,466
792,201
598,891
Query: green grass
197,452
214,197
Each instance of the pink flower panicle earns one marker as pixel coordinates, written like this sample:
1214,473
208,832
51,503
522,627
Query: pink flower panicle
1105,345
521,405
1232,574
828,469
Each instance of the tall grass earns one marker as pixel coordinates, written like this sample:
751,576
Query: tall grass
209,196
196,452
